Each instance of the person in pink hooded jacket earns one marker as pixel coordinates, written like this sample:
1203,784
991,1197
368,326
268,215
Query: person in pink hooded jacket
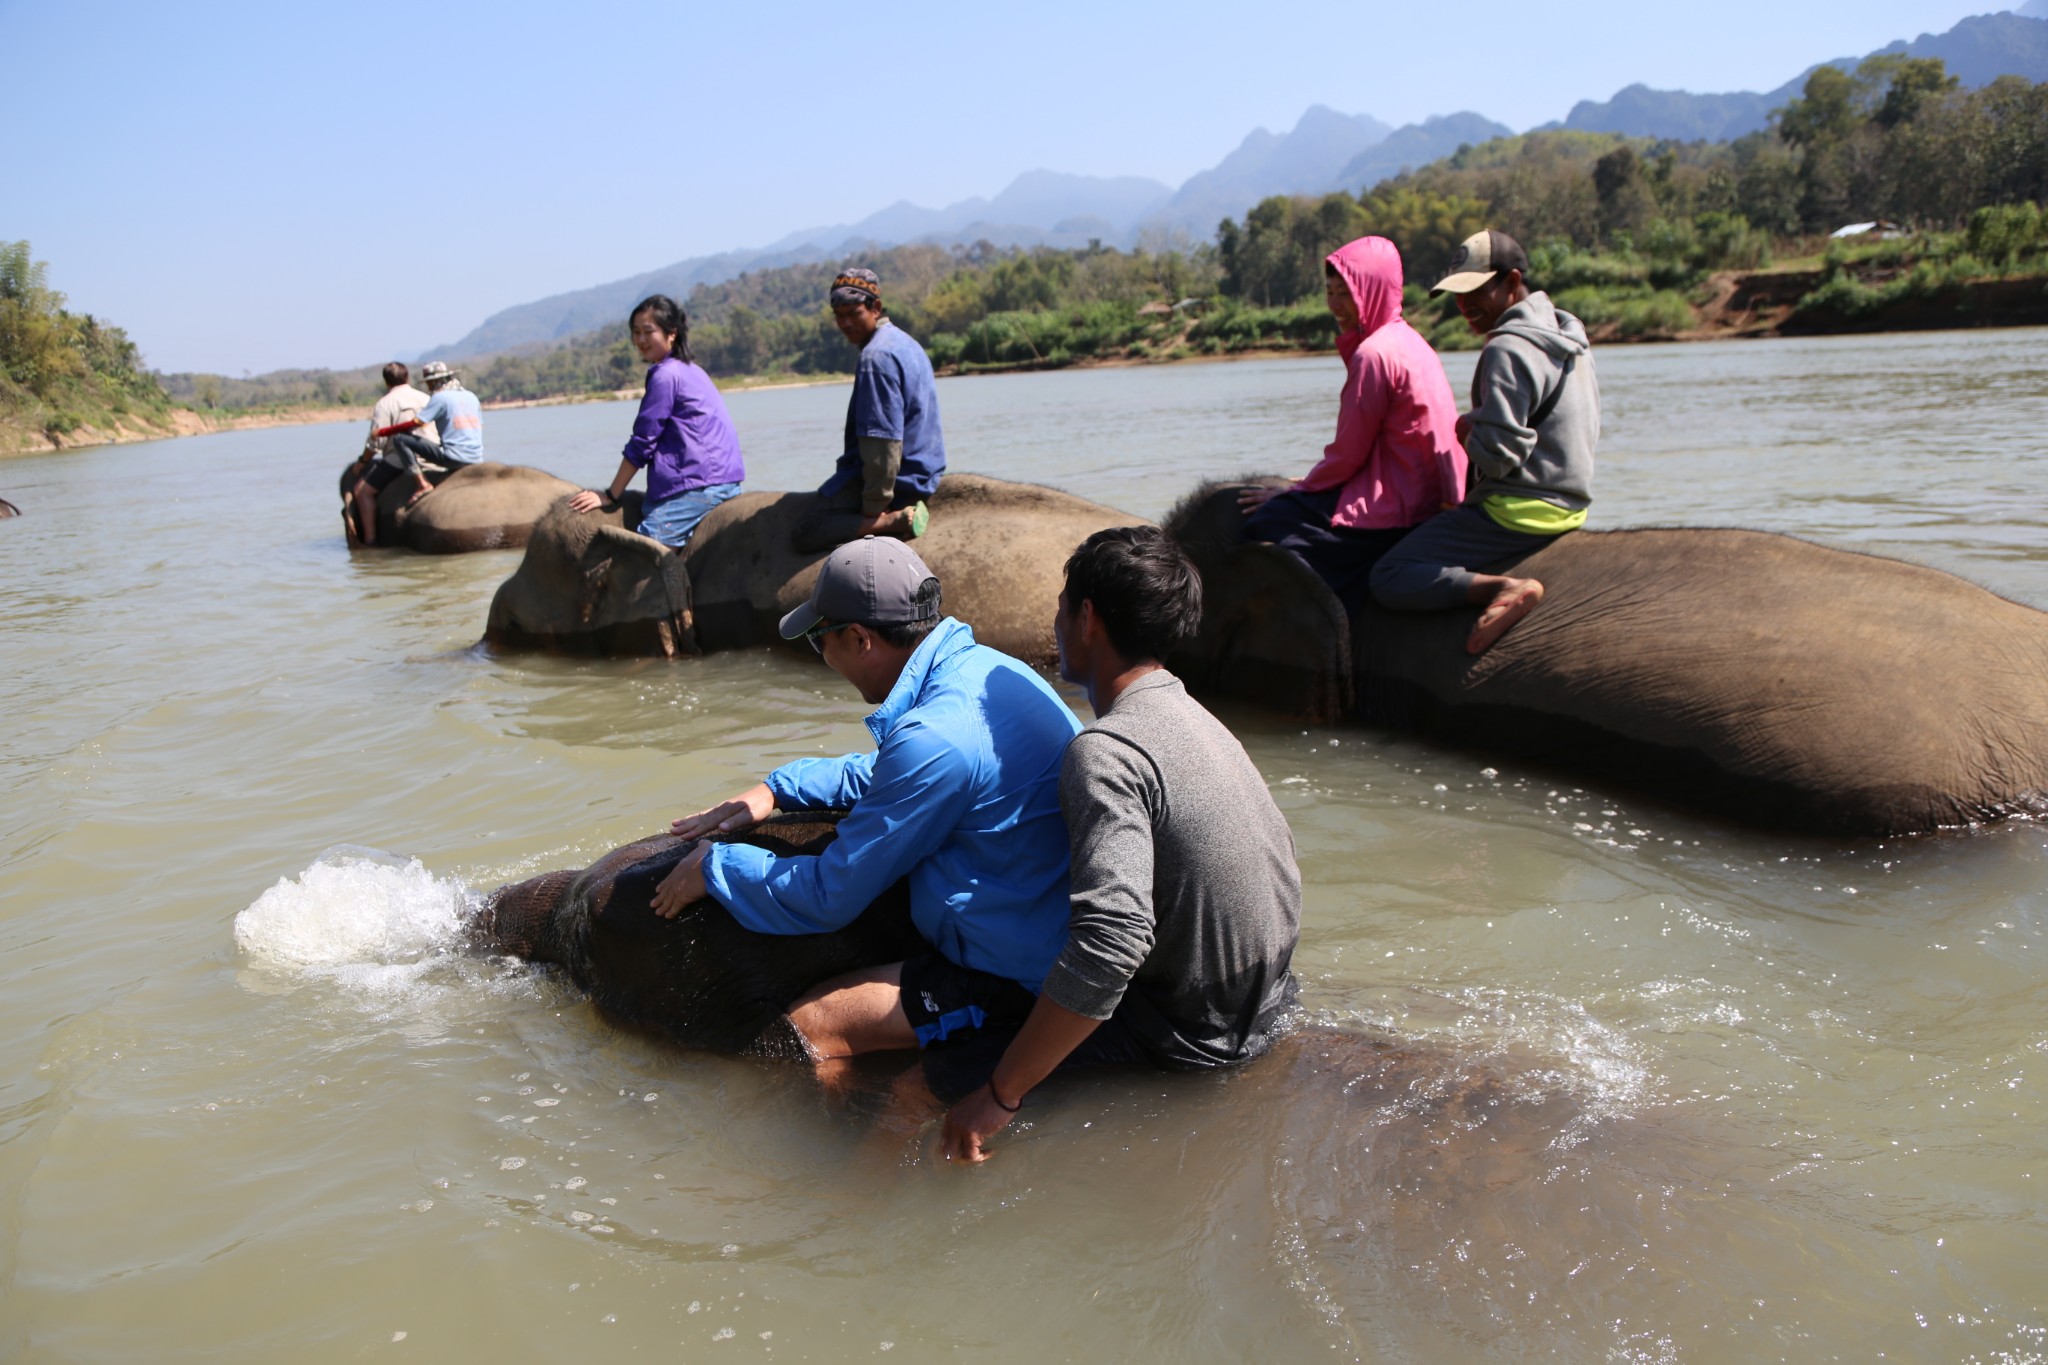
1397,460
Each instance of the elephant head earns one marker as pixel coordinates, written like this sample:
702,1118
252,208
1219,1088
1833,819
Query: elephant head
699,979
1272,631
590,586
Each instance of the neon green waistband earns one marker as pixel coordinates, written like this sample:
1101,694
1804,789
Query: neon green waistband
1532,516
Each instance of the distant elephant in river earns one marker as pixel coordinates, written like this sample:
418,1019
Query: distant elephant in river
8,509
485,506
588,585
1765,678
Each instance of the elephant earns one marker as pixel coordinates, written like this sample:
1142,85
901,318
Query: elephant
699,980
8,509
1755,675
485,506
590,585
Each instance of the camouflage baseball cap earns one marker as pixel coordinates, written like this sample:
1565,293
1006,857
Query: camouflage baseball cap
436,372
1479,258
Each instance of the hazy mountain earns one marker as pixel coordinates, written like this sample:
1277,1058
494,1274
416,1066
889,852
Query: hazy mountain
1325,150
1977,51
1302,161
1418,144
1038,208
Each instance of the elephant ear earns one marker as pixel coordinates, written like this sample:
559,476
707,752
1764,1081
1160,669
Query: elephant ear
1272,633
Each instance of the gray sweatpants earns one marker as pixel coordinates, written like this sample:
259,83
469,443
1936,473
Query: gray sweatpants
1427,570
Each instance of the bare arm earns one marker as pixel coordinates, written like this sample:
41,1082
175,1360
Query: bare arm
1050,1033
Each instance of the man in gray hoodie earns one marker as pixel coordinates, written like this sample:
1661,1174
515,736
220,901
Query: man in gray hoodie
1530,436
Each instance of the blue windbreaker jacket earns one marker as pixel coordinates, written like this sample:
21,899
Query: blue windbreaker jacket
961,795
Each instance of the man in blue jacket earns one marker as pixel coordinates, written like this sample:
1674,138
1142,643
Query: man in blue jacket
961,795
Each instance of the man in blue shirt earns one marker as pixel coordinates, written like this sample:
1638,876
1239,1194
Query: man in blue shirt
961,796
894,451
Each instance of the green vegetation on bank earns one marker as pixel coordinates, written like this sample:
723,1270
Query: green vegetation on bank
61,371
1628,233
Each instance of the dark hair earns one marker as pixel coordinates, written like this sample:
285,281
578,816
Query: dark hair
906,635
669,317
1144,588
395,374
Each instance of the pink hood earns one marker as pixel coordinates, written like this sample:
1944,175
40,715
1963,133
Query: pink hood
1396,460
1371,267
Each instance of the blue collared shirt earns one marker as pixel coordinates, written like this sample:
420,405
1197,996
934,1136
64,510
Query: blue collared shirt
961,795
896,399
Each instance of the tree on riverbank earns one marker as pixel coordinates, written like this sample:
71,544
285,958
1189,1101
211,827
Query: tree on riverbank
60,371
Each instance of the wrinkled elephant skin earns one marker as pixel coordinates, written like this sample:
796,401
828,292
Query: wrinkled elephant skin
1764,678
485,506
998,548
699,979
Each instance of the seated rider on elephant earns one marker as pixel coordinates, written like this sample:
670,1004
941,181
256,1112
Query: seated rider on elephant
1186,901
960,797
386,458
894,452
683,437
1531,434
1395,462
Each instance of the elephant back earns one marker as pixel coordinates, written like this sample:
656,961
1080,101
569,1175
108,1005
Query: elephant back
1765,677
484,506
999,550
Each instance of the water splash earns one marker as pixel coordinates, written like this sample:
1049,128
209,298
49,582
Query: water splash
358,916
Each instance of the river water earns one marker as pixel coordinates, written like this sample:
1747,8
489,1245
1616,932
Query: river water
1745,1097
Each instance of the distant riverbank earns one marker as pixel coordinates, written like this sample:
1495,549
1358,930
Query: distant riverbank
1738,305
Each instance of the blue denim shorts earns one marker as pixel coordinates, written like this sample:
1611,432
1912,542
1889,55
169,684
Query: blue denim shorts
675,521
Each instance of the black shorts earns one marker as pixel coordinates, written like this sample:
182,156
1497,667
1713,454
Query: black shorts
945,1001
964,1019
381,474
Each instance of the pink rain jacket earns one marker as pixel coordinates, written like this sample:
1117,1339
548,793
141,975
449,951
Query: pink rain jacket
1396,457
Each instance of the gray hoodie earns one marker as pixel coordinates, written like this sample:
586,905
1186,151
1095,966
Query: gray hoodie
1522,365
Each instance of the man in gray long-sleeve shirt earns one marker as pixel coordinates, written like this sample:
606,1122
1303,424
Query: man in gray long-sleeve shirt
1185,901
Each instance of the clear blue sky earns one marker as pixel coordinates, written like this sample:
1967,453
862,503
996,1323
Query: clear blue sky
249,186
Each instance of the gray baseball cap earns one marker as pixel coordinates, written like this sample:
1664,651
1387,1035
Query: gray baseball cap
873,581
1478,259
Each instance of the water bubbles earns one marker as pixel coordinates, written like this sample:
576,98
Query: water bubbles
397,1337
696,1306
546,1103
574,1182
579,1216
729,1249
357,914
511,1163
724,1334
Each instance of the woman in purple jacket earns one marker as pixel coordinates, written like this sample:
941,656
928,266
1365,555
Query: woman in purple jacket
683,436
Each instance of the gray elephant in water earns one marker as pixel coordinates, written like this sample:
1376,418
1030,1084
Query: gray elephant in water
1755,675
702,981
589,585
8,509
484,506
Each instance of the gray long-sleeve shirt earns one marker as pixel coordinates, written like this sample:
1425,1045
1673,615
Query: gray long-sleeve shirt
1535,350
1186,901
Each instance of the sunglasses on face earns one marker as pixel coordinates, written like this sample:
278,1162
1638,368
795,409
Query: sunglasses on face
816,634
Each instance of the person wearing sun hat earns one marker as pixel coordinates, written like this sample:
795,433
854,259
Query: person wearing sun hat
1530,438
960,796
457,418
895,452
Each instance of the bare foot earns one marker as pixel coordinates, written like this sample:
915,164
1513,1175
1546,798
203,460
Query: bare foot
1516,599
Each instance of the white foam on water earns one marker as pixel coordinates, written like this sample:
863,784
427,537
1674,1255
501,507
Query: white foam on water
365,919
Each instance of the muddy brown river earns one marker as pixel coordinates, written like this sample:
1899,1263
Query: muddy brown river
1675,1091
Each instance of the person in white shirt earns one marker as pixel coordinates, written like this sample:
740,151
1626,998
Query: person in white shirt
384,458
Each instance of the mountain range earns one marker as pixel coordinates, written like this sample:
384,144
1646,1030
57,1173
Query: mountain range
1326,150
